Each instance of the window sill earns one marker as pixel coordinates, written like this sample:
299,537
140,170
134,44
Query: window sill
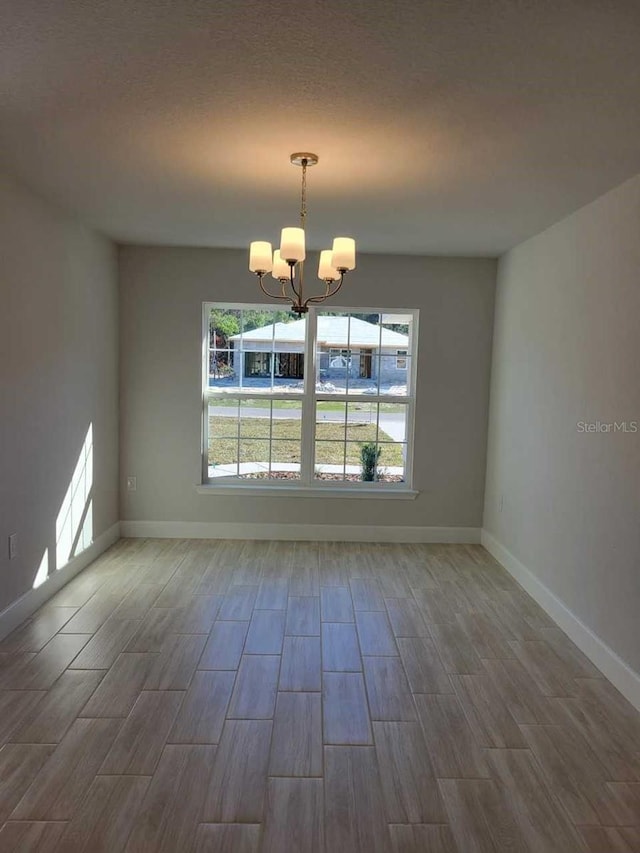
289,491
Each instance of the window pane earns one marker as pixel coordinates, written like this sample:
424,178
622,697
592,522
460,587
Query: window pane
363,353
223,457
223,421
392,437
391,462
223,418
377,462
254,458
259,349
287,419
240,430
221,368
255,418
224,324
270,351
336,361
374,448
392,423
361,461
285,460
329,461
288,366
361,424
396,342
330,420
286,435
257,364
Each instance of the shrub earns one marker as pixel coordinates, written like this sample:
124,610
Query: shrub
369,455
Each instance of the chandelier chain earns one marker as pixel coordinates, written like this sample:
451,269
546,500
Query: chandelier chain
303,220
303,199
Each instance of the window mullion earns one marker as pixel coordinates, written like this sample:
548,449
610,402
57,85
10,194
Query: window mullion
308,400
206,344
412,368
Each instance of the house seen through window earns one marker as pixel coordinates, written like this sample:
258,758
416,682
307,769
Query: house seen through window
327,399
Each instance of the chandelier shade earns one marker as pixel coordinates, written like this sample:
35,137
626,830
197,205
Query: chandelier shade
260,257
280,266
292,247
326,270
286,264
344,253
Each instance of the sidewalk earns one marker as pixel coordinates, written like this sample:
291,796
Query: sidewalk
247,468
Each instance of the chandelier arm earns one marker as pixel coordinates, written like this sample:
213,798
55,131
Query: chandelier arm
337,287
329,293
317,298
272,295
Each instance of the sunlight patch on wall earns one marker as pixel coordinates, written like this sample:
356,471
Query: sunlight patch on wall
74,525
86,534
43,570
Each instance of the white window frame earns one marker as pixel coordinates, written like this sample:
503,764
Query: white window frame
308,485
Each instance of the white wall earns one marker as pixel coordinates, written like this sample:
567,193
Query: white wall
161,295
567,349
58,375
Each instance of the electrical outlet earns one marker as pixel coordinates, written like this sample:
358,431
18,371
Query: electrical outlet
13,545
131,484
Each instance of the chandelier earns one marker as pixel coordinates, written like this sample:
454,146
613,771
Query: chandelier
286,264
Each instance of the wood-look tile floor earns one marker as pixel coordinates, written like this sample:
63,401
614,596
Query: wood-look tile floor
301,697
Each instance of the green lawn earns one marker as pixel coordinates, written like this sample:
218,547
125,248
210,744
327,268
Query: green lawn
325,405
254,442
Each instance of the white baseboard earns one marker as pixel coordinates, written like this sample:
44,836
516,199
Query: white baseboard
28,603
608,662
298,532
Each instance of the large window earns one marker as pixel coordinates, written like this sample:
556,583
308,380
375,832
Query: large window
322,401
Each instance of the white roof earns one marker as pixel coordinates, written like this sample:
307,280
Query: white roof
332,331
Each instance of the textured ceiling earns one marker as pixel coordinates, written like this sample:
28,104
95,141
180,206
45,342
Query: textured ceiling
442,127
